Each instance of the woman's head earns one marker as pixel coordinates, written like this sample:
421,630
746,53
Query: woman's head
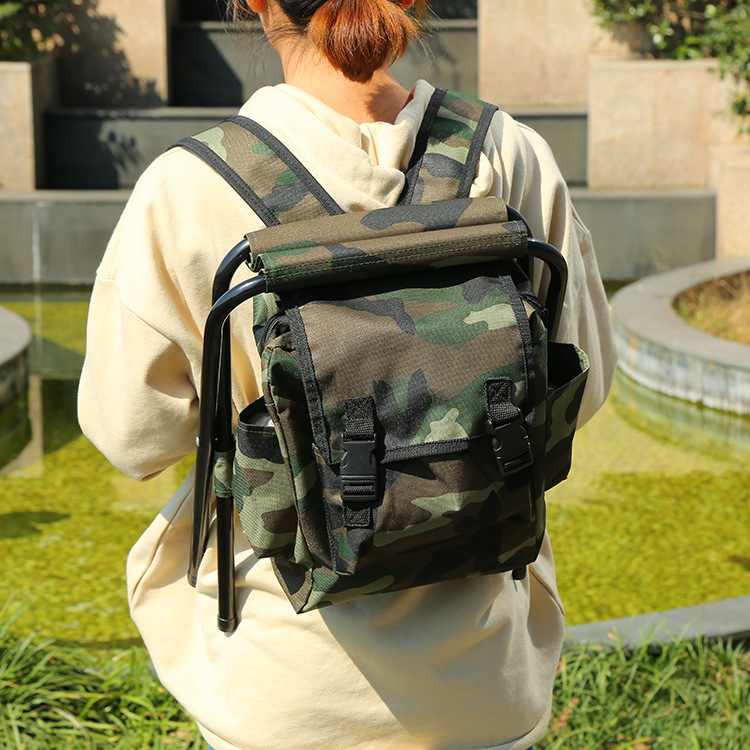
357,37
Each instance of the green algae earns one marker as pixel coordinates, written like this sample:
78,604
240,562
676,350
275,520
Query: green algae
58,322
648,542
15,429
647,520
73,518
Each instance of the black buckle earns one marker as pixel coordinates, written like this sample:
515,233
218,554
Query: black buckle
511,446
359,472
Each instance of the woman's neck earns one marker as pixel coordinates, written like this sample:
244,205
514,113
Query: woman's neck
378,100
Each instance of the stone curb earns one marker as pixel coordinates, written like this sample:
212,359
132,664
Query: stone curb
15,339
728,619
661,351
15,335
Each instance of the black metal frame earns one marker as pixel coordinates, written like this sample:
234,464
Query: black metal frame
215,432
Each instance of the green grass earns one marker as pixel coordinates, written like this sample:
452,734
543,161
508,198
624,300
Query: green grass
683,696
54,696
677,697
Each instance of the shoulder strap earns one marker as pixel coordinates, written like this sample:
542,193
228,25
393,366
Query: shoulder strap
244,153
447,148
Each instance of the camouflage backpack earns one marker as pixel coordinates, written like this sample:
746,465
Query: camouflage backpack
415,407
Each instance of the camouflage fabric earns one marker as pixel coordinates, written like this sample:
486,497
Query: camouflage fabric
260,486
568,367
282,188
305,263
424,353
454,138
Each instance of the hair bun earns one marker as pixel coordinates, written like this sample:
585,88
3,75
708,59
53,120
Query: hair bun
359,37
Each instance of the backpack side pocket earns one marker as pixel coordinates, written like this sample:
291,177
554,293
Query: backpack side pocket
568,370
260,484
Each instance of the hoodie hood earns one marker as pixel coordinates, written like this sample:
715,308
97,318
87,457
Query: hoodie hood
361,165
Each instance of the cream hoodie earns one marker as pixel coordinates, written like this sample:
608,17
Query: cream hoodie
453,665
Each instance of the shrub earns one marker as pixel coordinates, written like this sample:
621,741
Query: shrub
28,27
689,29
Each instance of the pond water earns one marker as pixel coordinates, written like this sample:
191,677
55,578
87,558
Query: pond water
654,515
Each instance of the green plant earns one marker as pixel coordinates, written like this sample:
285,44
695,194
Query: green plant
28,28
676,696
691,29
671,697
54,696
728,37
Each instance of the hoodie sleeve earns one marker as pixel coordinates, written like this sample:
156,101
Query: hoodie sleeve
137,397
138,393
528,178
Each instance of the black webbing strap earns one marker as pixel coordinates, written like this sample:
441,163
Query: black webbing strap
510,441
244,153
475,150
360,418
420,146
299,169
359,466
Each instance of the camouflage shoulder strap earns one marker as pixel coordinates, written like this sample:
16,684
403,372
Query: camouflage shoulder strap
447,148
244,153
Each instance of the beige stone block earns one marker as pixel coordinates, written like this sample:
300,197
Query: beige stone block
117,53
730,178
27,88
535,52
651,122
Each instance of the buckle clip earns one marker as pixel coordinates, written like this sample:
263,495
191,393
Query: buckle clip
359,472
511,446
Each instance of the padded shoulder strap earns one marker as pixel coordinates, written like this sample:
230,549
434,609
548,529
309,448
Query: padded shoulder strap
447,149
245,154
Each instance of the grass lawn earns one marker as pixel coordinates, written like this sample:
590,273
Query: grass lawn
680,697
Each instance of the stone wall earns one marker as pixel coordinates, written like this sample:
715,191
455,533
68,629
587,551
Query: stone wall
116,53
26,90
535,52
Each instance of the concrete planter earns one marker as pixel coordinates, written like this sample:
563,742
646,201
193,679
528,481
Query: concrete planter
652,122
27,88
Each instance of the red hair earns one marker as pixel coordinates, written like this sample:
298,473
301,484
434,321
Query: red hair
359,37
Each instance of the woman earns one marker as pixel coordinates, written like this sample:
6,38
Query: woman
461,664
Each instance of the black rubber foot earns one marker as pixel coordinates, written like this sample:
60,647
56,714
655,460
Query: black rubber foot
227,626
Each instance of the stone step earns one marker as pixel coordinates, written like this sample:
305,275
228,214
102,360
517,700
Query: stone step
640,232
95,149
219,64
59,236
